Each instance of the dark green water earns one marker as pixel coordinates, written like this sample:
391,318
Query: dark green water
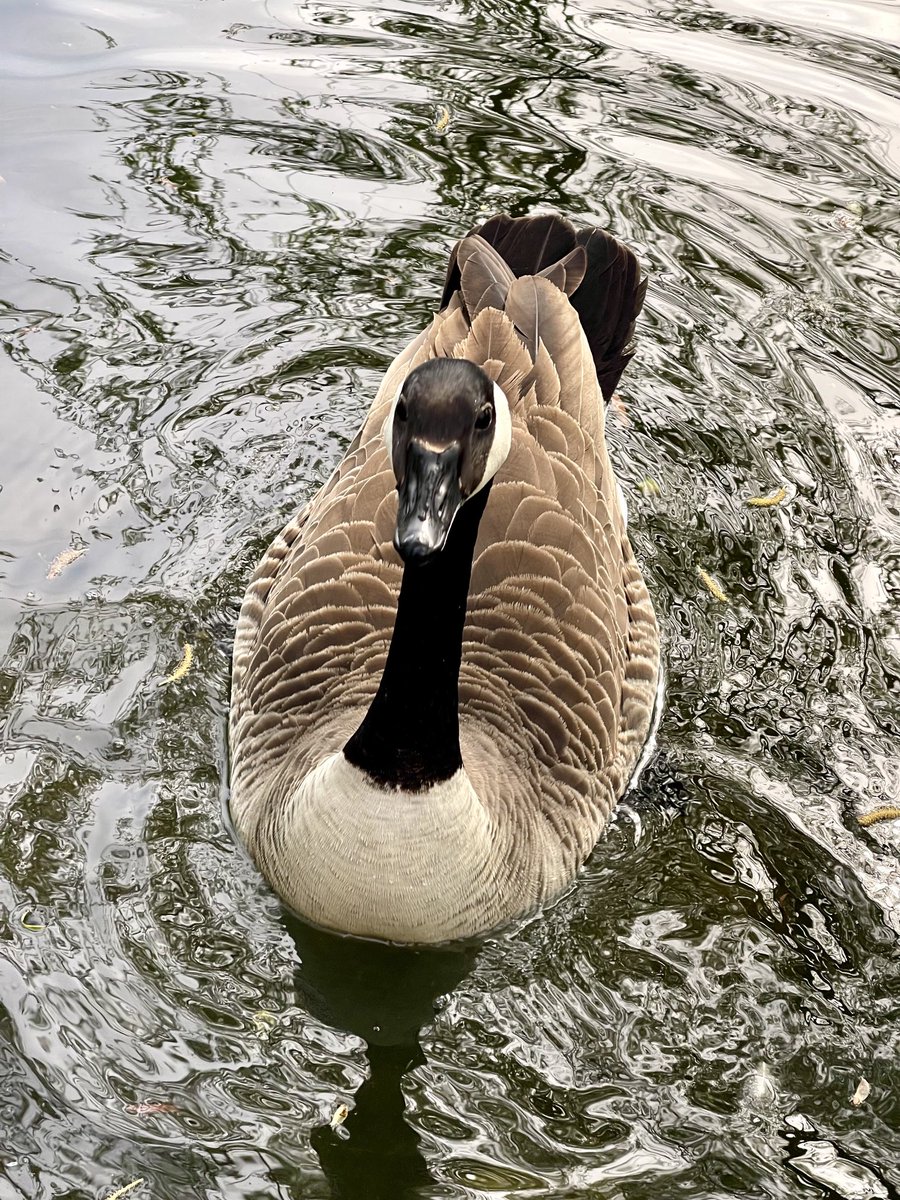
221,220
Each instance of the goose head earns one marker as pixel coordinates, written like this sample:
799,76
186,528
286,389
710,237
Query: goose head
447,435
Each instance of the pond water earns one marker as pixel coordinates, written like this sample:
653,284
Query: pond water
221,221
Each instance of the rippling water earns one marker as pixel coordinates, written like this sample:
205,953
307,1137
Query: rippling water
221,221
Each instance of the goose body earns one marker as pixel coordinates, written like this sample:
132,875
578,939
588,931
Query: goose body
446,665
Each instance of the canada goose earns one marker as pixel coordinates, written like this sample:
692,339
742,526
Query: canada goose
423,749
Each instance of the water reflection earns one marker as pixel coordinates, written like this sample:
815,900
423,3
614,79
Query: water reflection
384,995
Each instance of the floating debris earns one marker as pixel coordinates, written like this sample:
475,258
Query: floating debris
65,559
339,1116
264,1022
794,305
618,406
443,119
649,487
888,813
124,1190
184,666
862,1092
760,1089
711,586
148,1110
848,219
31,926
768,501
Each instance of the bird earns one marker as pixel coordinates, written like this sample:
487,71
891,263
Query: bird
446,666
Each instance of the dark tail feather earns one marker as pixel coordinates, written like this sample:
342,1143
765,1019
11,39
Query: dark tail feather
608,303
607,300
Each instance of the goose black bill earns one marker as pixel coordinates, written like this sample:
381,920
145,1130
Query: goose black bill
429,499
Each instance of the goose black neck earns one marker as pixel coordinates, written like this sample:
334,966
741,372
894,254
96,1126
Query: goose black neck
409,738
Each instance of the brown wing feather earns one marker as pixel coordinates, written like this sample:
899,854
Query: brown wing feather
567,274
483,273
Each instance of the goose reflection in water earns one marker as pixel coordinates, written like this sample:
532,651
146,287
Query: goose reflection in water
385,995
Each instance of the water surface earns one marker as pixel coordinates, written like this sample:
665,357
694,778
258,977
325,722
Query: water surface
221,221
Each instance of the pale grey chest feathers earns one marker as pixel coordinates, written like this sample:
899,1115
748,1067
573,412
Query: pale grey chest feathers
386,863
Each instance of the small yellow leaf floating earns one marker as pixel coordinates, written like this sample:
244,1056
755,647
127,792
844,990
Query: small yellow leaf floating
889,813
264,1022
443,119
124,1190
184,666
768,501
711,586
649,487
32,926
339,1116
65,559
862,1092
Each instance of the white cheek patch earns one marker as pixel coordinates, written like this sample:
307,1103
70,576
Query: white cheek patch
387,429
502,438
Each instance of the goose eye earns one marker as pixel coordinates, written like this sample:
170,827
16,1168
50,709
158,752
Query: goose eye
401,412
485,418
